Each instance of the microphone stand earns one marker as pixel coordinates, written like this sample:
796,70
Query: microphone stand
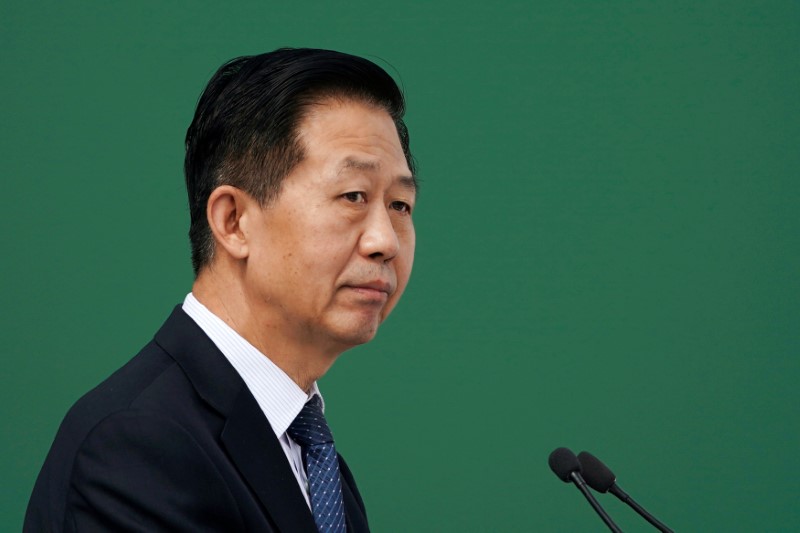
622,495
581,484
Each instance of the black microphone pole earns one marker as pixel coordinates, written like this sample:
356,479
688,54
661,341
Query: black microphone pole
602,479
566,466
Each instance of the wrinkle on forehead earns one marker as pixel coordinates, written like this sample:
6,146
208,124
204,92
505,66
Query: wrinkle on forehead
365,165
358,164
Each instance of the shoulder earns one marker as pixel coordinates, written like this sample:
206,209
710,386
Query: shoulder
138,434
133,382
140,469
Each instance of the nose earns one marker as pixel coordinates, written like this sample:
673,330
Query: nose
379,239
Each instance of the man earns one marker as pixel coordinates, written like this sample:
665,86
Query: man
301,188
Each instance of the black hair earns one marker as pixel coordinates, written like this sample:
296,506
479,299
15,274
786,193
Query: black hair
245,128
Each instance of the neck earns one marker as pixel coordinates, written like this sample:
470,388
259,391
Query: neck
301,359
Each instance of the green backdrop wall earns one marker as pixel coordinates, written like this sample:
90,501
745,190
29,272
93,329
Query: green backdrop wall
608,245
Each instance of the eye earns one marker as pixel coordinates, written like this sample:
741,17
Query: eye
401,207
355,197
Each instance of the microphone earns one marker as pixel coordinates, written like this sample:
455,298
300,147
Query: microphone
568,469
602,479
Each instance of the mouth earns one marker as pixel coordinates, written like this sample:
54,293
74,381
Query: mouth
377,290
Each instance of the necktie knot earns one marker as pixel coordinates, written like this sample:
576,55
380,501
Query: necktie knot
310,427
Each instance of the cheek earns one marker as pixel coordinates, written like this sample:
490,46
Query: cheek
408,244
321,240
323,257
403,264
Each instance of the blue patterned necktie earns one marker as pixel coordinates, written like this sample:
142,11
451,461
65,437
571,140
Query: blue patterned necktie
311,432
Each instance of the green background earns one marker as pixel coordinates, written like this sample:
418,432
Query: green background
608,245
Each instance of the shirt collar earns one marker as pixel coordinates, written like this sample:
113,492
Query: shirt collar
279,397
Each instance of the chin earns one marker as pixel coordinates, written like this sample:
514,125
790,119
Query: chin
358,334
359,338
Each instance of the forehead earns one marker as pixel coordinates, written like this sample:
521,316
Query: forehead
352,164
351,137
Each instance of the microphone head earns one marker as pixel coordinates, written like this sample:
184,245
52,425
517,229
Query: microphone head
596,474
563,463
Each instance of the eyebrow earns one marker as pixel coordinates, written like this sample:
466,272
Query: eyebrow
406,182
359,164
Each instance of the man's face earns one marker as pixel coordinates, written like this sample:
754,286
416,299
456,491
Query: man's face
331,255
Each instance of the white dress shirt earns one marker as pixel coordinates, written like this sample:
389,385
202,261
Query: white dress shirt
279,397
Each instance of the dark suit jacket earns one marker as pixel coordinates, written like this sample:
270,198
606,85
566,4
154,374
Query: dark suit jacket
173,441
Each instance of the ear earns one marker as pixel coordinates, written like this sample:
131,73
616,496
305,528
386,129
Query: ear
226,210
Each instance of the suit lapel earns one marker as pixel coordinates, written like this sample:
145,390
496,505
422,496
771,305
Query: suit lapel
354,507
247,436
258,455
